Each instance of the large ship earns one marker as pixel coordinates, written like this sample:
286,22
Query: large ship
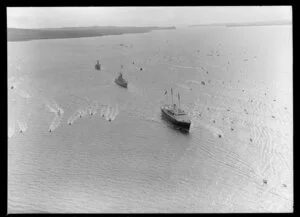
121,81
175,114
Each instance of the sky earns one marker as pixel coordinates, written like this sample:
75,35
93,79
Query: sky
56,17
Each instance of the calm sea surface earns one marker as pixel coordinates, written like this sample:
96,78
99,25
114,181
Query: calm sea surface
238,156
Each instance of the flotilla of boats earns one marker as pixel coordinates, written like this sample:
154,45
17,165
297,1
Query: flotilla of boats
171,112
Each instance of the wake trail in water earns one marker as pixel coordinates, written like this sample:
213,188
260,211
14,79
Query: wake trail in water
58,111
193,82
83,112
11,130
23,94
22,126
107,113
183,87
55,123
111,115
13,82
196,123
181,66
93,108
102,111
51,109
116,112
73,118
54,108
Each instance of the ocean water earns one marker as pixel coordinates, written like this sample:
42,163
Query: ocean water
64,155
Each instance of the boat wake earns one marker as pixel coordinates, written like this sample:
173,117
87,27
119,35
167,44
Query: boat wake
110,113
58,111
54,108
11,130
193,82
13,82
23,94
79,113
106,112
55,123
22,126
153,120
184,87
93,108
196,122
13,85
184,67
73,118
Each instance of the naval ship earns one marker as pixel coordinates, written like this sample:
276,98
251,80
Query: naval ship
121,81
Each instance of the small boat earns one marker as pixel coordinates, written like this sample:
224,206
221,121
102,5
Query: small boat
176,115
121,81
98,65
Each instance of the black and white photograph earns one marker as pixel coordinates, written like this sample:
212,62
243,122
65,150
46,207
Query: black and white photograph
161,109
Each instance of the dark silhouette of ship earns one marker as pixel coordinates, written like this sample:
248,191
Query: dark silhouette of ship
98,65
121,81
175,114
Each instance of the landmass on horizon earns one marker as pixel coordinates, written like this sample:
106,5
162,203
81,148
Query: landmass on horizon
18,34
269,23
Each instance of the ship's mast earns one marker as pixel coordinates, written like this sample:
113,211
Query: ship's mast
172,96
179,100
166,94
121,70
167,99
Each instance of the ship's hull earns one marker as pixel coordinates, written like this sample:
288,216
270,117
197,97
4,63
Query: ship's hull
97,67
122,84
170,118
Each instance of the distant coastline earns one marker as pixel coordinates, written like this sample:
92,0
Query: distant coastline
245,24
15,34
